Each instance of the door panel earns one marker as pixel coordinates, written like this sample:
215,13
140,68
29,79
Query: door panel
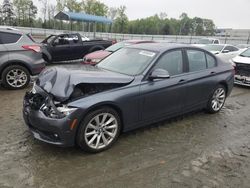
61,48
162,98
200,80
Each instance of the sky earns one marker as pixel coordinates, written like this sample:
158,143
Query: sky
224,13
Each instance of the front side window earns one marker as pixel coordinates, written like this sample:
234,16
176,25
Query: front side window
61,40
8,38
171,62
197,60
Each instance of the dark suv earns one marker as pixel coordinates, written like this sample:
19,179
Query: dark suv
20,57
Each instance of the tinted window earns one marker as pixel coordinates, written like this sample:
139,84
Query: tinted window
211,62
197,60
73,38
62,40
231,48
172,62
216,42
8,38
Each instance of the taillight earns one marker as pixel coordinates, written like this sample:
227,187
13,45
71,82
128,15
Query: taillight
34,48
114,41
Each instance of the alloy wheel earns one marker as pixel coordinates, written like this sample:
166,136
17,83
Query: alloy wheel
218,99
16,78
101,130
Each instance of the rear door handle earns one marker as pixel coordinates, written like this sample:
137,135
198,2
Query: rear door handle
213,72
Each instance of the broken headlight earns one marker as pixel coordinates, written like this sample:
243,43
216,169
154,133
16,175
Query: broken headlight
66,110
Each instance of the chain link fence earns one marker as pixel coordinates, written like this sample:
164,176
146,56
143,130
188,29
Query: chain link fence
41,33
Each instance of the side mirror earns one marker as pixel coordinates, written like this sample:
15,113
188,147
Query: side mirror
159,74
225,51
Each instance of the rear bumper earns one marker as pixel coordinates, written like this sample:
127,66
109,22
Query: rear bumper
37,66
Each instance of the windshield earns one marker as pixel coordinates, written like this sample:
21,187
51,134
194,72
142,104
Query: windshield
246,53
204,41
213,47
128,61
117,46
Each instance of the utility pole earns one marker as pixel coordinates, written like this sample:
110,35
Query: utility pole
248,38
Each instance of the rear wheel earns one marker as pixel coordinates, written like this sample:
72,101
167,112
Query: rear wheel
99,130
217,99
15,77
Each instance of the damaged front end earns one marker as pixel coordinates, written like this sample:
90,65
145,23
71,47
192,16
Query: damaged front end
48,110
39,100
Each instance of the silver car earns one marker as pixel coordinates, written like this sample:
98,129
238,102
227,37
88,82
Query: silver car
20,57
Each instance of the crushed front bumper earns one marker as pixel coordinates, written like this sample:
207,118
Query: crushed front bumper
242,80
53,131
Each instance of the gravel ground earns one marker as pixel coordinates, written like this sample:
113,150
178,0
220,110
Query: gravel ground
195,150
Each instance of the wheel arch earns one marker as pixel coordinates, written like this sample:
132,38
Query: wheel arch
16,62
102,105
224,83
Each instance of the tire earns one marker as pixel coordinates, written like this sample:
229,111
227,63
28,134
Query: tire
217,99
15,77
94,137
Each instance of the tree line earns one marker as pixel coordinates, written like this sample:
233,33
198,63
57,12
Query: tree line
25,13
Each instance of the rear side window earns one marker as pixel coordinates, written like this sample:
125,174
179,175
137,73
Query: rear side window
172,62
210,61
8,38
197,60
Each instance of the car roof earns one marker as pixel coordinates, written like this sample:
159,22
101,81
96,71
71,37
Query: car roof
134,41
160,47
11,30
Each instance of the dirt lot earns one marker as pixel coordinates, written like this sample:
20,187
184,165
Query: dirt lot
197,150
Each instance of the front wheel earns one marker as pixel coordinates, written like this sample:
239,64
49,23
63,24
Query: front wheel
99,130
217,99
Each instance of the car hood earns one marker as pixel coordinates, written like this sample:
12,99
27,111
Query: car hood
98,54
240,59
60,82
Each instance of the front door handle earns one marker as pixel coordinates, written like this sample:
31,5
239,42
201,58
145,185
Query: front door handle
213,72
181,81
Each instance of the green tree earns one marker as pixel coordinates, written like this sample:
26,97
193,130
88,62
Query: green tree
32,12
7,13
121,22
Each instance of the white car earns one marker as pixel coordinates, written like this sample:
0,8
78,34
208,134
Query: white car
242,68
225,51
205,41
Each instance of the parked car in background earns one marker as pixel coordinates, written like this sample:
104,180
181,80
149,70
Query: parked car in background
225,51
133,87
95,57
243,46
205,41
70,47
20,57
242,68
208,41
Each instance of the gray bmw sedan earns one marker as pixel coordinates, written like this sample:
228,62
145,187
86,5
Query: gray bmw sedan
133,87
